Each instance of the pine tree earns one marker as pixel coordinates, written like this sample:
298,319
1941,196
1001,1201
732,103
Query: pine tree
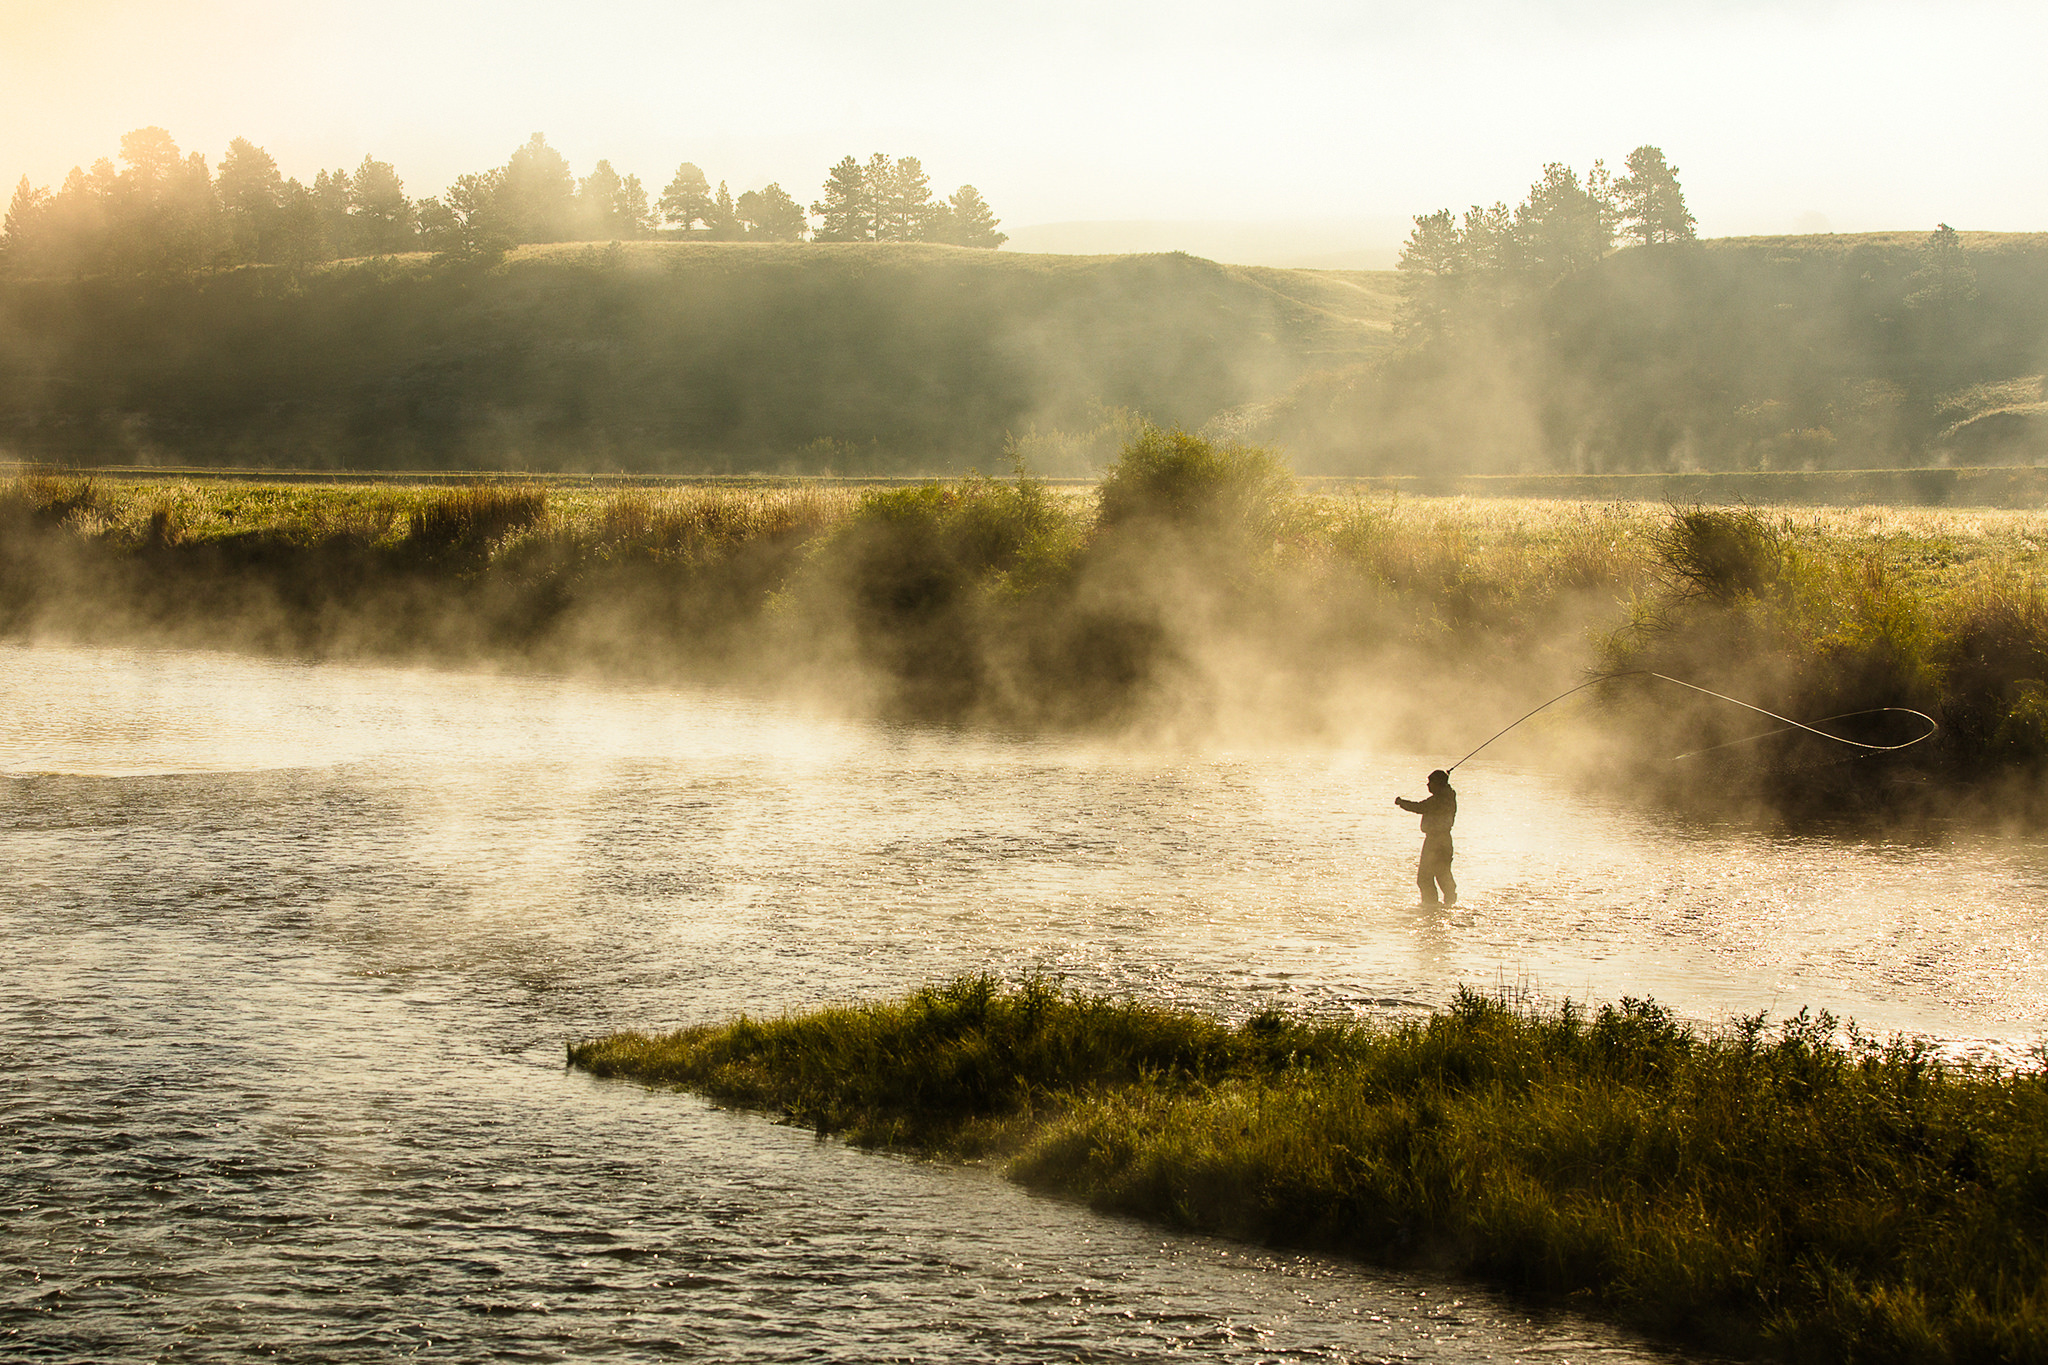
847,210
903,203
771,215
21,235
1651,203
973,222
251,196
687,198
382,218
723,220
539,194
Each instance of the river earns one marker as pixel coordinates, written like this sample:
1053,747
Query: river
293,951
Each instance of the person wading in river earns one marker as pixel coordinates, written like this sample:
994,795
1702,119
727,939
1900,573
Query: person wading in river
1439,811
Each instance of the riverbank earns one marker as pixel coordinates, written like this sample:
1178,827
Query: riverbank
1773,1190
1196,593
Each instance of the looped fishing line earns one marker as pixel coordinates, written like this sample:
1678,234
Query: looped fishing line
1789,723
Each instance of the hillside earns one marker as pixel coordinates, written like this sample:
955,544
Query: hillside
1824,352
660,356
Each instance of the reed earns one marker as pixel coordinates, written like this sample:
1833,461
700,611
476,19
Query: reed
1795,1190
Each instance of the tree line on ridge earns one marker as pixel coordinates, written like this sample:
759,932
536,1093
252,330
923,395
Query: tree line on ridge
164,211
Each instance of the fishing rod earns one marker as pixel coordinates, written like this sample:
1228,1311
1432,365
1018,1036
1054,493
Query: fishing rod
1787,722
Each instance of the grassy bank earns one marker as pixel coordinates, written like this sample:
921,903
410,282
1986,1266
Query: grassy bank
1209,590
1197,589
1766,1189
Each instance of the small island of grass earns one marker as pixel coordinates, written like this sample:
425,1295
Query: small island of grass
1766,1189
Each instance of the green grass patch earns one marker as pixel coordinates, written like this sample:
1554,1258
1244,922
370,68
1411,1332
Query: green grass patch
1794,1190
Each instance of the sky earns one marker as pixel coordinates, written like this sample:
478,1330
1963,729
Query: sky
1352,115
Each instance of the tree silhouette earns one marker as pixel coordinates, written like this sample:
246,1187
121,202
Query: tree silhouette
847,212
382,220
539,194
611,207
904,208
973,223
771,215
1564,225
724,220
687,198
1651,203
251,194
467,222
330,205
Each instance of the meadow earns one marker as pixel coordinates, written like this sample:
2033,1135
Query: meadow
1770,1189
1196,590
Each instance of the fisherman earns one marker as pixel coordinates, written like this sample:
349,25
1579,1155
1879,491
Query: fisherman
1439,811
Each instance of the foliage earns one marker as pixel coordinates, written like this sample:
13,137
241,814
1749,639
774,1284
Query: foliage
1777,1190
890,200
1649,201
165,213
1724,555
1807,623
1180,480
687,200
1774,354
1194,573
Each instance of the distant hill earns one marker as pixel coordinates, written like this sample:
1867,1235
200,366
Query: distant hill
1293,244
1817,352
660,356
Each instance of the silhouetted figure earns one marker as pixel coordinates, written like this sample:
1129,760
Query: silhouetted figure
1439,811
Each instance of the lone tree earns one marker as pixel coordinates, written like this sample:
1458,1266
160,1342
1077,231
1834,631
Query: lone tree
1652,205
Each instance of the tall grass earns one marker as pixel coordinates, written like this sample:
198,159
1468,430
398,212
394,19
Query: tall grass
1197,584
1818,617
477,512
1788,1190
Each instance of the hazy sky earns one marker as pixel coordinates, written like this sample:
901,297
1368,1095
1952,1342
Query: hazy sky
1870,115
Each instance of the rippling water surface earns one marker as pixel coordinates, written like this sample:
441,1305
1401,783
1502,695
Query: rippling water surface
292,953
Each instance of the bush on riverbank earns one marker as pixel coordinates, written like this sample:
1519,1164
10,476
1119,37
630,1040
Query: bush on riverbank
1762,1189
1811,626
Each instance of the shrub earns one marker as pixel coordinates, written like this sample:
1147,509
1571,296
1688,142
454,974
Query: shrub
1182,480
1718,553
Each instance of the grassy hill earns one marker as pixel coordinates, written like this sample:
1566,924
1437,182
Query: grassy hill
661,356
1758,353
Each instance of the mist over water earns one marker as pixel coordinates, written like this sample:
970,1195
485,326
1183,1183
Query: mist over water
294,950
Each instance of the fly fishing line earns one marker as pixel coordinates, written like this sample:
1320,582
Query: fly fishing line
1785,721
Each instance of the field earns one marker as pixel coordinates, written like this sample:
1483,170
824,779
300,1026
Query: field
1771,1189
1197,590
